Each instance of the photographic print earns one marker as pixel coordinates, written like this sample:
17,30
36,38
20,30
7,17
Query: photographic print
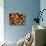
16,19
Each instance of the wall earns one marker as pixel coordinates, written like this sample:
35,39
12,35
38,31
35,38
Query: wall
1,21
43,6
29,7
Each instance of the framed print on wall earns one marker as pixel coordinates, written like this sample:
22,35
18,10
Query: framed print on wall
16,19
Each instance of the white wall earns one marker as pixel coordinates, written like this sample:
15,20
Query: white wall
43,6
1,21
